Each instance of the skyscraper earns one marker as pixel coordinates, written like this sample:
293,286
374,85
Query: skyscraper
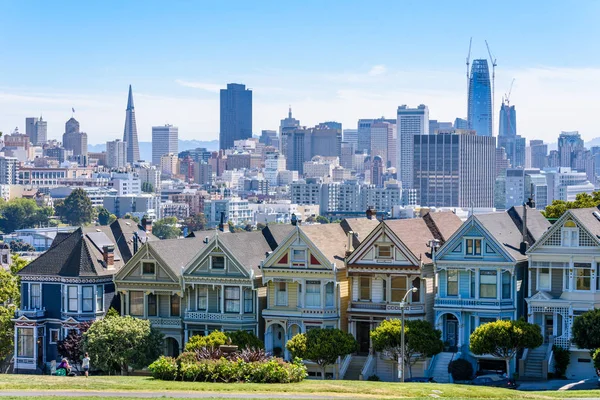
454,170
30,128
410,122
508,120
116,154
383,142
130,135
75,140
165,140
538,153
480,99
37,130
569,143
236,115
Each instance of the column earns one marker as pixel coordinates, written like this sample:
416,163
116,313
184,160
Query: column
222,298
498,284
528,282
594,277
145,305
35,347
127,303
241,300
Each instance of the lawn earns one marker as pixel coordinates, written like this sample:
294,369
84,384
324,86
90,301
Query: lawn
341,389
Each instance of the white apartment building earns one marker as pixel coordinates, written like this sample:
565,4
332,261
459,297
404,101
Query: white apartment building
151,175
287,177
165,140
274,164
169,164
234,179
564,184
235,210
116,154
126,183
8,170
172,209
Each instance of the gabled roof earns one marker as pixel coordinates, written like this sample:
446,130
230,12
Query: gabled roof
361,228
415,235
274,234
445,222
177,253
330,239
537,224
73,256
585,217
248,248
122,232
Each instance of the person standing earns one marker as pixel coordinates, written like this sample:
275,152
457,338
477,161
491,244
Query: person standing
86,364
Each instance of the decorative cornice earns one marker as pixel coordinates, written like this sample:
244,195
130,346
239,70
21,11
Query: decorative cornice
54,278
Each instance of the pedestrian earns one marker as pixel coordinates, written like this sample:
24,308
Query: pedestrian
86,364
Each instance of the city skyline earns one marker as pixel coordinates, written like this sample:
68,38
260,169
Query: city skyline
555,87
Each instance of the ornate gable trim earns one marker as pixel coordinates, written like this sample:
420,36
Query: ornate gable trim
369,242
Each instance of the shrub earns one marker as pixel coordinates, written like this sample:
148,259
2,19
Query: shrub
252,355
165,368
215,339
374,378
460,369
210,353
562,358
245,339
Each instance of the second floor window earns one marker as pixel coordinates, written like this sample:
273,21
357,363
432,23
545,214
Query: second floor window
99,298
487,284
202,298
473,247
152,306
281,294
232,299
365,289
398,288
175,305
136,304
329,293
544,276
87,303
72,299
248,301
313,293
36,296
506,286
583,276
452,282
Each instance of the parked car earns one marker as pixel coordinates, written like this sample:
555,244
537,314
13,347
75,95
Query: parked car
494,380
421,379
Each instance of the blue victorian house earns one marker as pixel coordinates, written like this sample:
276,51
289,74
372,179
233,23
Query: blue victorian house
70,283
482,277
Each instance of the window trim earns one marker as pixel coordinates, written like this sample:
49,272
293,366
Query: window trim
474,246
232,300
92,298
212,257
99,299
488,272
454,271
360,288
155,297
69,298
31,297
332,294
171,303
278,286
588,277
130,298
539,286
199,290
393,289
51,331
378,252
149,262
20,329
248,300
312,284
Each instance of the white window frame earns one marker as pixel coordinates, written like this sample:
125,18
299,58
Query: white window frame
474,247
311,295
248,299
91,298
130,297
52,331
454,271
378,252
212,262
232,301
39,296
488,272
576,277
199,295
539,280
69,298
569,236
149,262
281,296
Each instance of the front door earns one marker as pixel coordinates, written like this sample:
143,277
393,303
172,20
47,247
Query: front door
363,332
548,327
451,329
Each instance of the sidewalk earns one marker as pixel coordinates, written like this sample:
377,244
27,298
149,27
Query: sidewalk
560,384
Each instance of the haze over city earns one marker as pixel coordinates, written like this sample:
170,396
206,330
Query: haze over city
335,61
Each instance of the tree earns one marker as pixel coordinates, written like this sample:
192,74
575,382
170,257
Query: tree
322,220
17,246
10,300
260,226
586,330
132,217
195,222
503,339
22,213
322,346
116,343
147,187
76,209
71,347
166,228
582,200
420,340
105,217
214,339
245,339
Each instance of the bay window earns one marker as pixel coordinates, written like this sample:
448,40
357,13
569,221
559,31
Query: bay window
487,284
583,276
136,304
398,288
72,299
452,282
25,342
232,299
87,303
329,291
313,293
202,297
35,297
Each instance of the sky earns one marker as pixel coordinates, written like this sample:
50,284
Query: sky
330,60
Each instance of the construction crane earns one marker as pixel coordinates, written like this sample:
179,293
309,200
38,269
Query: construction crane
507,96
468,62
507,109
493,61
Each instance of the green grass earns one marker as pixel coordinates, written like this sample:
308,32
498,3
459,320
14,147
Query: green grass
341,389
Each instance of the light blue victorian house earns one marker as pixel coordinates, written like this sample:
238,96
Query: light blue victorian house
481,277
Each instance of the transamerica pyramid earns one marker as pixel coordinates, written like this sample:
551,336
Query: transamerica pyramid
130,135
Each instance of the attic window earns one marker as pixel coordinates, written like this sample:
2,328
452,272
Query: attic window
148,268
384,251
218,262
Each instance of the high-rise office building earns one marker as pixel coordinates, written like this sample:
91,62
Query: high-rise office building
41,132
351,136
480,99
75,140
236,115
116,154
302,144
515,149
435,125
538,154
569,143
508,120
461,123
165,140
454,170
30,128
410,122
383,143
130,135
363,133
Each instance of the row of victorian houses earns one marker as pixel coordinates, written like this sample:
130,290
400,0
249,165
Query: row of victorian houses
288,279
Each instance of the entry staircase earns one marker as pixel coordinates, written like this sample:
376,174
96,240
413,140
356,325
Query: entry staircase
440,368
354,368
535,363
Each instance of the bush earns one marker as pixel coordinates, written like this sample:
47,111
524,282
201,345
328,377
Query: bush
562,358
186,357
165,368
374,378
461,370
245,339
272,371
252,355
215,339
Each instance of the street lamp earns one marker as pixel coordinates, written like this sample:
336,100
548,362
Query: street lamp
402,305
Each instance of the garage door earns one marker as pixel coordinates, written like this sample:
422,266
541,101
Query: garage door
581,366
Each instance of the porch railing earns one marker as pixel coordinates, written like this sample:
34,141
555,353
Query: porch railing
166,322
31,313
344,365
208,316
367,370
387,307
458,302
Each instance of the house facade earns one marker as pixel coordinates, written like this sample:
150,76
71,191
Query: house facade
481,277
564,283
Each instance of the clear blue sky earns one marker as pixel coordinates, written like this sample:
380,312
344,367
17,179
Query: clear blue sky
176,53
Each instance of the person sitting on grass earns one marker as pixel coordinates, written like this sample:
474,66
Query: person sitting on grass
64,365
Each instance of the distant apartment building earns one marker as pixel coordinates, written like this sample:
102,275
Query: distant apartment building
116,154
410,122
151,175
302,144
234,209
172,209
9,167
564,184
538,152
165,140
126,183
236,115
137,205
169,164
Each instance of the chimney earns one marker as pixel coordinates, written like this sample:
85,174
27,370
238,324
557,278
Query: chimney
108,253
524,243
294,219
349,247
370,213
147,224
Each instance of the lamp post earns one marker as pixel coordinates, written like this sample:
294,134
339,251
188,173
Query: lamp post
402,305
